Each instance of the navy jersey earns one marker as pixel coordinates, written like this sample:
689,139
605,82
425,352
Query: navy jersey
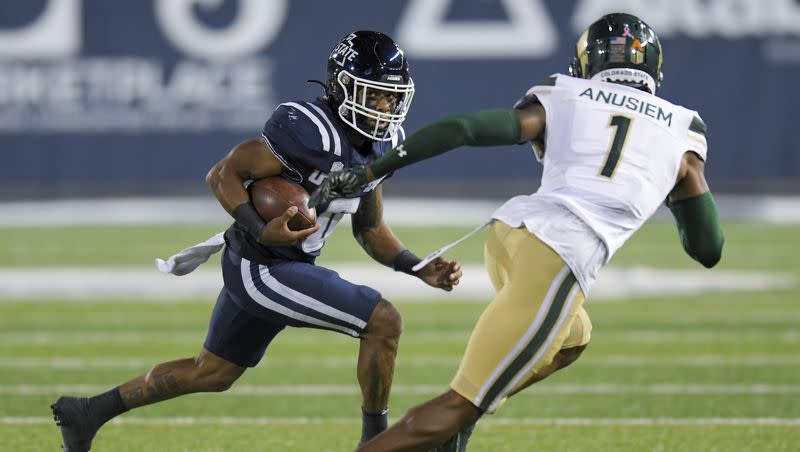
310,141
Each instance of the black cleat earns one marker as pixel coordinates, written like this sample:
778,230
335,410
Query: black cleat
77,427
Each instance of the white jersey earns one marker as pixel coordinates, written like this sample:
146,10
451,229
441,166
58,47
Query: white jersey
611,155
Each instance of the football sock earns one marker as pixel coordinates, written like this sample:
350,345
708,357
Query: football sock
105,406
373,423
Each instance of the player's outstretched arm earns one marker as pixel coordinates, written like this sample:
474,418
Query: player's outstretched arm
251,160
379,241
695,213
483,128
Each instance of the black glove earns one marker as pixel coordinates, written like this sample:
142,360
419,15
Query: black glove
340,184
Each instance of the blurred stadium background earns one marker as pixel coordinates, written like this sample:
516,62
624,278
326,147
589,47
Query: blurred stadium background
111,112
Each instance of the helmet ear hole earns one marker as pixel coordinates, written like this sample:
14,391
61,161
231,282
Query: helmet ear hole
330,90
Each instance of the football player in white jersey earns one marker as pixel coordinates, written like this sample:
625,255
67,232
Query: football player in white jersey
612,153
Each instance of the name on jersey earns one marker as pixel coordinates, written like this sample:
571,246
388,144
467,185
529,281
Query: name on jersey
629,102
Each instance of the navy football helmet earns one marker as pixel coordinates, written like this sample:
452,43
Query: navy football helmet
619,48
369,84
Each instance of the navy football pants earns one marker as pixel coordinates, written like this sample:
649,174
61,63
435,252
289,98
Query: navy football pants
257,302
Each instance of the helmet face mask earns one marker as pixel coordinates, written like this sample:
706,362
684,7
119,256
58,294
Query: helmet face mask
369,84
362,105
619,48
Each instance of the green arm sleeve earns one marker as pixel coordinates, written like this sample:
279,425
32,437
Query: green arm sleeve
699,228
483,128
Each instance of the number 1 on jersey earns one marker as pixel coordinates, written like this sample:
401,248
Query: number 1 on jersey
622,124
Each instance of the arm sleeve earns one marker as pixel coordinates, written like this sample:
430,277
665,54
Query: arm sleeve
482,128
699,228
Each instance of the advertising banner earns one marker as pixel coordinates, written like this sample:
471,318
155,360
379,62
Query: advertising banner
117,97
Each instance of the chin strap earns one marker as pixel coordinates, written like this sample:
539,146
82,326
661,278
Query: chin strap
323,85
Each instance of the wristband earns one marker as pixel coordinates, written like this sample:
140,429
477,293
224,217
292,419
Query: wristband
404,261
247,217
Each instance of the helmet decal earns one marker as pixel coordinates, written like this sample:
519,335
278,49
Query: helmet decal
344,51
626,33
617,50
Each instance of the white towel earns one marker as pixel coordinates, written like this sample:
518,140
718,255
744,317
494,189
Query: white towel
187,260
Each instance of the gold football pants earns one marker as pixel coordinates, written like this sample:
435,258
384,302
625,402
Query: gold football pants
538,310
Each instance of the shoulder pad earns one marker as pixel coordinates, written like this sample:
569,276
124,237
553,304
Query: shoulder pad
696,136
303,139
697,125
526,101
549,81
532,95
307,124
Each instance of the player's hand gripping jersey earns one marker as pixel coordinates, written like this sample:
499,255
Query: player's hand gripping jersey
310,142
611,155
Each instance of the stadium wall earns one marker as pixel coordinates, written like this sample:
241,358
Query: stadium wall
121,98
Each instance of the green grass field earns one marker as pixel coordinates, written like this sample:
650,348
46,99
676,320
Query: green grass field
711,372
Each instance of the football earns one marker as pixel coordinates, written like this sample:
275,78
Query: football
271,196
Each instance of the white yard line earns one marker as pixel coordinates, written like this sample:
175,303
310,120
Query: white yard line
91,320
660,421
93,284
345,390
692,361
397,211
449,361
484,423
676,335
206,210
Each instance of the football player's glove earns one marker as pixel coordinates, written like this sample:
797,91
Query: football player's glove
340,184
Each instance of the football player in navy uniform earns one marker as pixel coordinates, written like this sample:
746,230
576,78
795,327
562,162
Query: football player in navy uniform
269,274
